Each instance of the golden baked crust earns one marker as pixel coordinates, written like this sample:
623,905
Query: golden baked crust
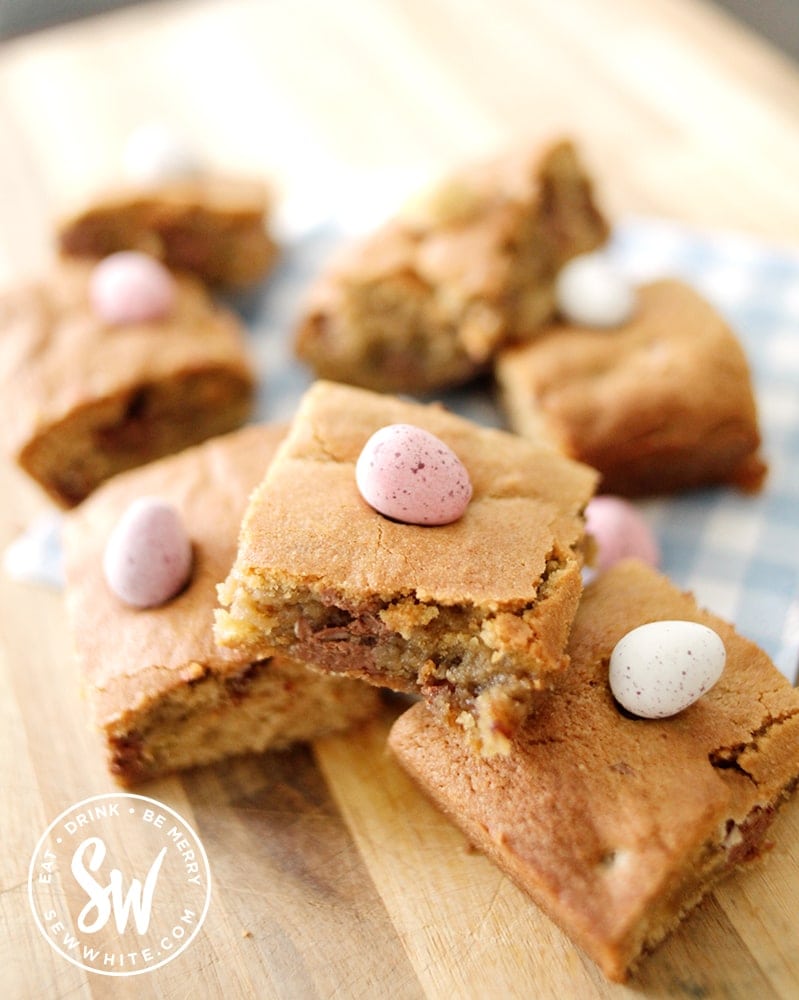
84,400
617,826
164,696
213,226
474,614
425,301
661,404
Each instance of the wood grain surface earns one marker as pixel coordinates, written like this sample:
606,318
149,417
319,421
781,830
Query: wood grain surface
332,877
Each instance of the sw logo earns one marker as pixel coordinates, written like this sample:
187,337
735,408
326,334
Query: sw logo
119,884
107,899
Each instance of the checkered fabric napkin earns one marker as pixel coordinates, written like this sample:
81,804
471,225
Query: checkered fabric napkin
739,554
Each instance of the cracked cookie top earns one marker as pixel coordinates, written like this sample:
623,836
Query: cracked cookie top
308,523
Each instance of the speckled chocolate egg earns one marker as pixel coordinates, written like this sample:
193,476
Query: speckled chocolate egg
658,669
410,475
148,555
130,287
590,291
620,531
155,153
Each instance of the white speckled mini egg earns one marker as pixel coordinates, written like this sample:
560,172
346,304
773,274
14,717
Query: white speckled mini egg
657,670
154,154
410,475
590,291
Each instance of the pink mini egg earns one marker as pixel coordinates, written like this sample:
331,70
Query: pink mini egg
131,287
148,555
620,532
410,475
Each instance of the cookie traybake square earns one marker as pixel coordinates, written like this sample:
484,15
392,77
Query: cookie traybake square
426,300
84,400
473,614
159,690
662,403
618,825
213,226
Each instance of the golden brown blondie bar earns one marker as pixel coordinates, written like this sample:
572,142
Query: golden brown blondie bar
475,614
85,400
427,300
160,691
615,825
662,403
213,226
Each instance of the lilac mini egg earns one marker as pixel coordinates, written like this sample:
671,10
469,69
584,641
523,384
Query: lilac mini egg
661,668
148,555
620,531
410,475
131,287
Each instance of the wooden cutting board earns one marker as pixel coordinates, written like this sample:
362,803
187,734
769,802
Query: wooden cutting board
331,875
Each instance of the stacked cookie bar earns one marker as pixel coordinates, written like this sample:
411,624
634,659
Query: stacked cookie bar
617,825
566,792
473,615
306,593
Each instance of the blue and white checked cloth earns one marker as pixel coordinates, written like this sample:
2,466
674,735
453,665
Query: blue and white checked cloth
739,554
